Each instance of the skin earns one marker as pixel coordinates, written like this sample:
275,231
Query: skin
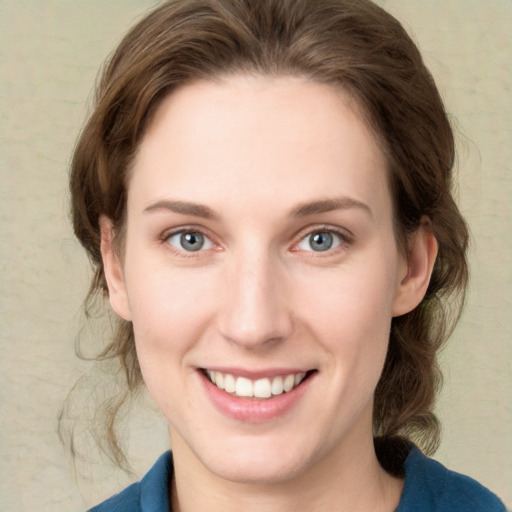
252,152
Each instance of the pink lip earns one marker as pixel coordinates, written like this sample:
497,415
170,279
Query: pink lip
254,410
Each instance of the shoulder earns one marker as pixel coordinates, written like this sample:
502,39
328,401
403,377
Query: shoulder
126,501
148,495
431,486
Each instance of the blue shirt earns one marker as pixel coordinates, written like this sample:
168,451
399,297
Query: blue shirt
429,487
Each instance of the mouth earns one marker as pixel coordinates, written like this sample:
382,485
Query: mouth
263,388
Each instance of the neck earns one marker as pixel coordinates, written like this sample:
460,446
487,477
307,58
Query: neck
348,479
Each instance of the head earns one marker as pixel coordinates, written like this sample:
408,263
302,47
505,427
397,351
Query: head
350,46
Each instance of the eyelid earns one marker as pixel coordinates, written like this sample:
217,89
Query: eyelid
345,236
167,234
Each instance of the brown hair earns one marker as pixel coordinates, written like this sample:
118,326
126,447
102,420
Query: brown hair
351,44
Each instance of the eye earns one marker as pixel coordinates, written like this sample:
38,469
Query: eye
190,241
320,241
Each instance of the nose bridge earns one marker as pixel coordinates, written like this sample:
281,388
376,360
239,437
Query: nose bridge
254,311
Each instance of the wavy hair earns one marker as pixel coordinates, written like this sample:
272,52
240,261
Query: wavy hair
353,45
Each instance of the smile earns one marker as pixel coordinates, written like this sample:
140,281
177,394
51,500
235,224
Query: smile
261,388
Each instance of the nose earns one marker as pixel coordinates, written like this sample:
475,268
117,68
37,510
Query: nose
255,312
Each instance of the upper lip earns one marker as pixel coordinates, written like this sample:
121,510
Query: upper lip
257,374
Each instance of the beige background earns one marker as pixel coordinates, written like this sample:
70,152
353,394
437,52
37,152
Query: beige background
50,51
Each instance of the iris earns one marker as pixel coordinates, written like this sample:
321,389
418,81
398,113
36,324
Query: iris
321,241
191,241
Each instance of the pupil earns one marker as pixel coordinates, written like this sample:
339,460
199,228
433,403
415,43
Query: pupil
192,241
321,241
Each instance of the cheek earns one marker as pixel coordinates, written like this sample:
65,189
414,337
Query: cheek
169,308
169,314
347,301
349,313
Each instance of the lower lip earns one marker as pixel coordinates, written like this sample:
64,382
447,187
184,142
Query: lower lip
254,411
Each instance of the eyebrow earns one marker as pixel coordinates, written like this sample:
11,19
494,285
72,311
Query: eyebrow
301,210
183,207
328,205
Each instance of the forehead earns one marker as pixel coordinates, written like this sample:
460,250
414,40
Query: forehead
257,135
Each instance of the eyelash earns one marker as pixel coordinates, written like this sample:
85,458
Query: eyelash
187,230
345,239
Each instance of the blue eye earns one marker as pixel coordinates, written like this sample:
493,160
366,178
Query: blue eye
190,241
320,241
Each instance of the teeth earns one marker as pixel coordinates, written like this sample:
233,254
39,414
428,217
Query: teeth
244,387
277,386
219,380
261,388
298,378
229,383
289,382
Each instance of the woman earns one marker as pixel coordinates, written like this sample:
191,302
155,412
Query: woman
264,190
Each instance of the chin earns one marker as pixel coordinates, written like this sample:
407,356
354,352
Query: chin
258,463
247,470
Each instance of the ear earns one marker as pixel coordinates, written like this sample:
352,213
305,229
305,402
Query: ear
113,269
418,266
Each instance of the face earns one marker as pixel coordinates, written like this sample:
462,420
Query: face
261,273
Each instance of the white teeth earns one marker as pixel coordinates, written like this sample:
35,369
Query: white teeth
277,386
243,387
229,383
261,388
289,382
219,380
298,378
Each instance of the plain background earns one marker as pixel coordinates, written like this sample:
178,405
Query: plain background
50,51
